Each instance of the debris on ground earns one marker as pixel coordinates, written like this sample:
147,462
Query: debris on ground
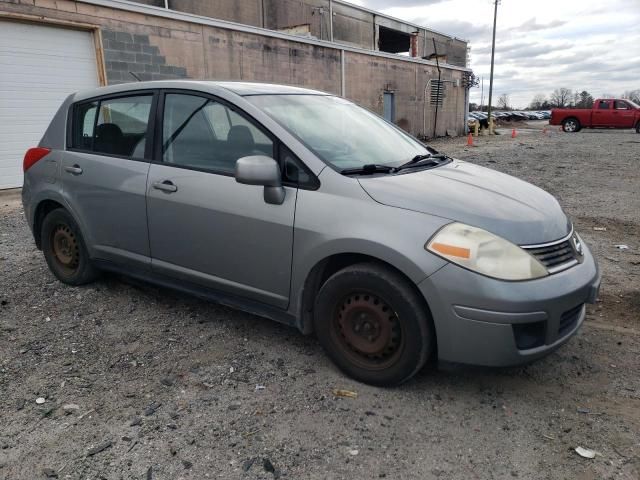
600,229
69,408
268,466
622,246
247,464
585,452
101,447
40,400
49,473
344,393
151,409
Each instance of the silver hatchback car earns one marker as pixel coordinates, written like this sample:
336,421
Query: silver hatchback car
302,207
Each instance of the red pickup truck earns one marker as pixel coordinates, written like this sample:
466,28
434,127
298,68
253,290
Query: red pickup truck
606,113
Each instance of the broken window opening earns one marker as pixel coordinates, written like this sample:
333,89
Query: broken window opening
393,41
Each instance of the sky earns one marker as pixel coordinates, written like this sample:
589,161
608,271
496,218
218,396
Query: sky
541,45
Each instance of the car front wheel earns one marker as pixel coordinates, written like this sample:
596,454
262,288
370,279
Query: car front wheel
373,324
64,249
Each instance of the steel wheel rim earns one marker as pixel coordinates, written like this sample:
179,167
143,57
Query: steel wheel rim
65,248
367,331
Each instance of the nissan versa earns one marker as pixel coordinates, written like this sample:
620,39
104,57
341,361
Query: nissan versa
302,207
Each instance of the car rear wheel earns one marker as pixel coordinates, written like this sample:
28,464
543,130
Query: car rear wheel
373,324
571,125
64,249
638,127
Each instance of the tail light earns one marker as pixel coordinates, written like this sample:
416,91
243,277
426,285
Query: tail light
33,155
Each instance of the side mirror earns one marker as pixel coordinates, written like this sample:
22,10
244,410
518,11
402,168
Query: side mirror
264,171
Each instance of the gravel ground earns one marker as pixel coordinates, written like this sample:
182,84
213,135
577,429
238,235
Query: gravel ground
145,383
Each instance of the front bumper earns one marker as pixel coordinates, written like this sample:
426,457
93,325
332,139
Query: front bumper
483,321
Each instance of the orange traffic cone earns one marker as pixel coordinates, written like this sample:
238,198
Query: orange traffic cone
470,140
514,134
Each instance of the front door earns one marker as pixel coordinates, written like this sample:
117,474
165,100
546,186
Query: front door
104,175
389,107
623,114
204,227
603,114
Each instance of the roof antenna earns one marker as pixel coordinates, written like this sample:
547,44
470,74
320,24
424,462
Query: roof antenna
135,76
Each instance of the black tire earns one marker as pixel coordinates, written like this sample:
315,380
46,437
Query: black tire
571,125
638,127
64,249
399,339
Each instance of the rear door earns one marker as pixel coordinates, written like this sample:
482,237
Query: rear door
104,174
602,115
623,114
204,227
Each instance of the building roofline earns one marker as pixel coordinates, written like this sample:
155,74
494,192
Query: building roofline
238,27
399,20
240,88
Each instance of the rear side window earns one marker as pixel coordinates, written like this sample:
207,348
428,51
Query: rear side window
116,126
84,120
603,105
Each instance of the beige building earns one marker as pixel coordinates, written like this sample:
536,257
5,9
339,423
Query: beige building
49,48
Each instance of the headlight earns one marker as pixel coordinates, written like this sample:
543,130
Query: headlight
485,253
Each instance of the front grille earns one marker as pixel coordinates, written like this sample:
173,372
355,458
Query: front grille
569,319
556,257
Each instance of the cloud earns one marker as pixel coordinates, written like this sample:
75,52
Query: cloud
532,25
456,28
382,4
528,51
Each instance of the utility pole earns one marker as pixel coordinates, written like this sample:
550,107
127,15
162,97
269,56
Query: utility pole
481,92
493,51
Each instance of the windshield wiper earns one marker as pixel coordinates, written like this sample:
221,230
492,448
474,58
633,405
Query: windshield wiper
368,169
419,161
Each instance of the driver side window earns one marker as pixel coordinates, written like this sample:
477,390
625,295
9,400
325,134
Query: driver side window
203,134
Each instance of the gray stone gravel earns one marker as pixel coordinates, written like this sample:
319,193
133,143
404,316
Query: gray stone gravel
166,384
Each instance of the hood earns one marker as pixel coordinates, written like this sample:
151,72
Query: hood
501,204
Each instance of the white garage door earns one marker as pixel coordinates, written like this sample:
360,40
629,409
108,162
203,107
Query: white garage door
39,66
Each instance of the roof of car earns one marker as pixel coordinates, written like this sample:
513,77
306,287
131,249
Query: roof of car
239,88
247,88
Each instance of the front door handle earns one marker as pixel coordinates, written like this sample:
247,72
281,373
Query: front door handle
166,186
75,170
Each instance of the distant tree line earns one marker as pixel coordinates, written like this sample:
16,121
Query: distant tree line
566,98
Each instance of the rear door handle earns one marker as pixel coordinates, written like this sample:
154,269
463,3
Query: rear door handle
76,170
166,186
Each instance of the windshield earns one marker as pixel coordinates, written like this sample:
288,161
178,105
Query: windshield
339,132
633,104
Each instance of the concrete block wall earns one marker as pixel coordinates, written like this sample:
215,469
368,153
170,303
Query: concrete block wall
161,48
128,56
